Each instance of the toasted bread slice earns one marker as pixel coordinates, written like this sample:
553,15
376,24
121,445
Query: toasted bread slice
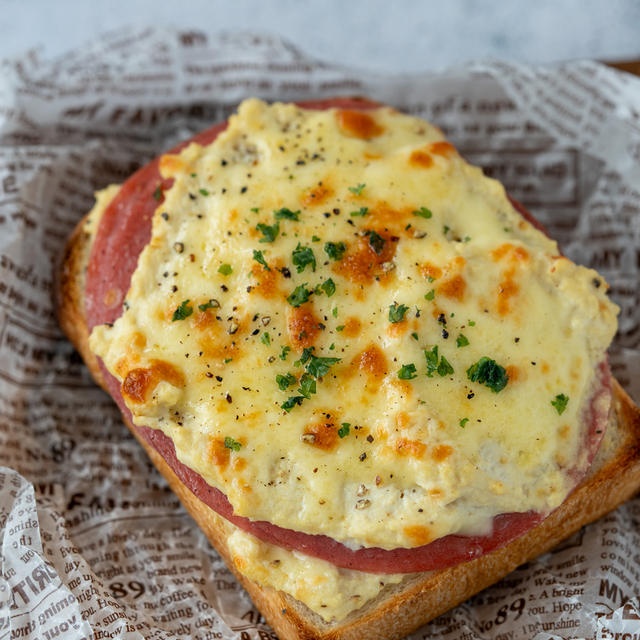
397,610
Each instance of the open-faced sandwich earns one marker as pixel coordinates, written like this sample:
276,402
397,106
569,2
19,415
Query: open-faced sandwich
372,379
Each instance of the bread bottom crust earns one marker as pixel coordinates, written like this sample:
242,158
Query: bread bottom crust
399,609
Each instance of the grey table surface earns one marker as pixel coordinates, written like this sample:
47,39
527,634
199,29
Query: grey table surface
383,35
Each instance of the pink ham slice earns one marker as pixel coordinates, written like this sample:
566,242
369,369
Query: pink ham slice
124,231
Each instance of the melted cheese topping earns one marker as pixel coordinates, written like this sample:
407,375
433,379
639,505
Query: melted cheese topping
365,238
328,590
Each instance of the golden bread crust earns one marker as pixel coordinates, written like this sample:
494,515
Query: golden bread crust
420,597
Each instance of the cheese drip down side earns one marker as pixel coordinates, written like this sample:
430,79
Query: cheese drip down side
328,590
350,331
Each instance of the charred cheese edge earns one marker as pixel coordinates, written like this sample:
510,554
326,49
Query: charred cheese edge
350,331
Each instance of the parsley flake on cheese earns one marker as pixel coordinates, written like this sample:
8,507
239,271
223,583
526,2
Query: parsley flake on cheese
343,431
303,256
232,444
423,212
291,402
286,214
397,312
285,381
407,372
376,241
462,341
328,286
335,250
212,303
560,403
269,232
183,311
299,296
259,258
488,372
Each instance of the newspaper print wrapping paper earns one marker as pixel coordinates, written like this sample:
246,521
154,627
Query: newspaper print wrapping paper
94,545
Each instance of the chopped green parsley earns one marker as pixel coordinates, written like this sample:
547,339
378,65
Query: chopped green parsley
329,287
488,372
299,296
225,269
302,256
376,241
396,312
407,372
358,189
307,385
435,364
430,295
284,352
335,250
285,381
183,311
423,212
560,403
361,213
259,258
270,232
463,422
291,402
286,214
461,341
444,368
265,338
204,192
319,367
157,194
343,431
211,304
232,444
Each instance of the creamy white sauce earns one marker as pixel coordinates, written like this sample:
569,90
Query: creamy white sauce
423,457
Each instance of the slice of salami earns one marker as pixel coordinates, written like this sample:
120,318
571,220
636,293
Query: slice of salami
124,230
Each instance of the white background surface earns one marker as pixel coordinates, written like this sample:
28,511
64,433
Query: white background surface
383,35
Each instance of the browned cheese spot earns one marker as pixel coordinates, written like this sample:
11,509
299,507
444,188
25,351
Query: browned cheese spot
362,265
358,124
429,270
410,448
453,287
382,215
352,327
303,326
214,339
316,195
420,159
513,373
514,258
419,534
322,434
267,281
218,454
441,452
140,381
371,361
442,148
